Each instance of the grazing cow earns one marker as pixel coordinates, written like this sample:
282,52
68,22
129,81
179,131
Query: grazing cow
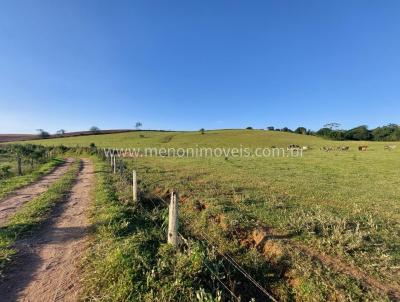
362,148
345,148
306,148
390,147
327,148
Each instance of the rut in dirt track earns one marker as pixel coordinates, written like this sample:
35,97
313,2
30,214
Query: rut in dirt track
11,204
46,269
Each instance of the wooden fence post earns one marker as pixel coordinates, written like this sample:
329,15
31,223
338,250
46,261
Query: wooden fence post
134,186
173,219
111,160
114,165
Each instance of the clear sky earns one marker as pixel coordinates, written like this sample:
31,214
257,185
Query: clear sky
190,64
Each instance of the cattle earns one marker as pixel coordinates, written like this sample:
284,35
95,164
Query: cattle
389,147
345,148
294,147
362,148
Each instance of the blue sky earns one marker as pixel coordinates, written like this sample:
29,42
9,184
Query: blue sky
192,64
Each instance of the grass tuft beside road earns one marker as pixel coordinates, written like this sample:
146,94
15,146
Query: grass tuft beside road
33,214
8,185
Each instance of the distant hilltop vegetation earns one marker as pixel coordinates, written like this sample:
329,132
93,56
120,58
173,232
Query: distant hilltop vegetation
332,131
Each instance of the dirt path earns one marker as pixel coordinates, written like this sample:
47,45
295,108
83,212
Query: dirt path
9,205
46,269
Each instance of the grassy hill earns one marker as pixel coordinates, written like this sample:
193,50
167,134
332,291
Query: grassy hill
341,207
216,138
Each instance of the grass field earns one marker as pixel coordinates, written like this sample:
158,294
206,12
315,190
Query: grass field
323,226
13,182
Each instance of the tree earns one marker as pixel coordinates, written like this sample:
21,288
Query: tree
324,132
286,129
332,126
249,128
360,133
94,129
301,130
389,132
61,132
202,130
138,125
42,133
270,128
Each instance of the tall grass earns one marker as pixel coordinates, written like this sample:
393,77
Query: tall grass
8,185
129,259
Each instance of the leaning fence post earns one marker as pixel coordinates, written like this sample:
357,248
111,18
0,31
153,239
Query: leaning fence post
134,186
173,219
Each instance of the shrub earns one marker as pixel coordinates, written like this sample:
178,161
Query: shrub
5,171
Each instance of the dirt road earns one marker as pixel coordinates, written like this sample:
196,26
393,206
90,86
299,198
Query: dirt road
46,268
16,200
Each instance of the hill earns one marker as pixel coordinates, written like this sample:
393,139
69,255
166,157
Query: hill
213,138
319,224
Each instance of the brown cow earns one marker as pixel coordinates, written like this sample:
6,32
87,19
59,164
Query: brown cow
362,148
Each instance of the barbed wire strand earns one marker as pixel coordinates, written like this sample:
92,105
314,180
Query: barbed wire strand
230,260
186,242
234,263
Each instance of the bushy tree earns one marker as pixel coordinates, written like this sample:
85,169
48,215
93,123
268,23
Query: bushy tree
138,125
60,132
94,129
42,133
270,128
360,133
389,132
301,130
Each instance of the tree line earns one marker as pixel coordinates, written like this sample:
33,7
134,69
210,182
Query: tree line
390,132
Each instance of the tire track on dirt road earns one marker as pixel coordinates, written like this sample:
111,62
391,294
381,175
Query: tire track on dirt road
11,204
46,269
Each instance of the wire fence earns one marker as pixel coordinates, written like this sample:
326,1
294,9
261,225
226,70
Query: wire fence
118,166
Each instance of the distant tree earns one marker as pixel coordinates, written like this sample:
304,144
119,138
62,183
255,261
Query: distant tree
389,132
360,133
61,132
202,130
94,129
42,133
277,129
249,128
270,128
332,126
301,130
138,125
286,129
